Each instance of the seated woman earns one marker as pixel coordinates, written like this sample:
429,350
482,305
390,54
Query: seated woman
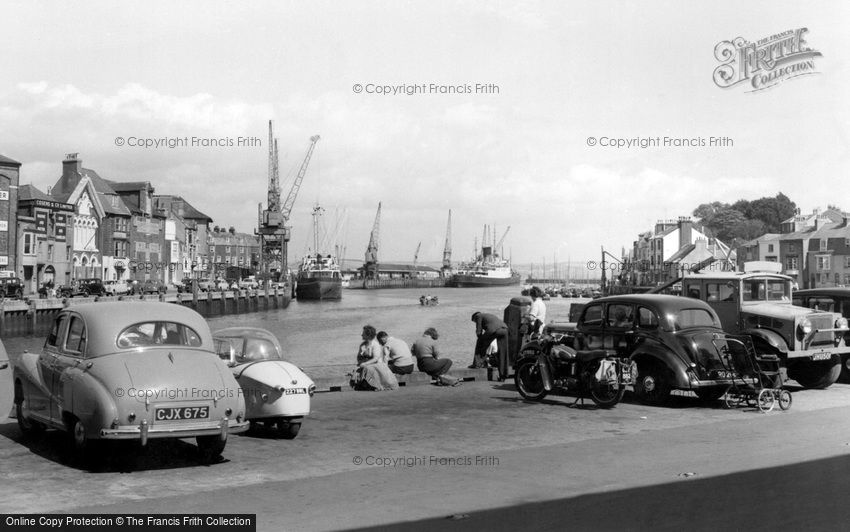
428,360
372,372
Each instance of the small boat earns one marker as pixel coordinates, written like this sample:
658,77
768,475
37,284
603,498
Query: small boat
318,276
428,300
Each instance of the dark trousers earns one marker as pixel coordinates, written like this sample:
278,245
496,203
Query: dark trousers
401,370
484,341
434,367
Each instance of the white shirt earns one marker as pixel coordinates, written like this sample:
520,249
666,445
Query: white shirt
537,311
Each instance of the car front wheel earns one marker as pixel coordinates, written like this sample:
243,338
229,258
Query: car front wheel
287,429
653,384
816,374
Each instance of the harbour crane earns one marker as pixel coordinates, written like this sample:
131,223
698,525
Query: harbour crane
371,263
416,254
501,240
272,229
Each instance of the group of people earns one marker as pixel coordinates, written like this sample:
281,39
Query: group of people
491,346
381,357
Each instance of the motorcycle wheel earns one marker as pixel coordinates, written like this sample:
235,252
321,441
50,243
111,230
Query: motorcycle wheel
606,395
529,382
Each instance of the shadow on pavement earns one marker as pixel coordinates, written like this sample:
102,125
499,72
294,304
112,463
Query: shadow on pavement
803,496
107,456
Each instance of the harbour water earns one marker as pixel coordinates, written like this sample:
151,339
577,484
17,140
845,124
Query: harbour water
323,333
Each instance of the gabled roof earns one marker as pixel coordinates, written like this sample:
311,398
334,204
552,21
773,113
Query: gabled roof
5,161
682,253
185,209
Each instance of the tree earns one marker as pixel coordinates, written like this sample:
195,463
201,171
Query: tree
232,230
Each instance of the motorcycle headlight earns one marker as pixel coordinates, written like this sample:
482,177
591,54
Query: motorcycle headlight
841,323
805,326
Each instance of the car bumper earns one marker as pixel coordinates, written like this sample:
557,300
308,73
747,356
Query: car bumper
144,431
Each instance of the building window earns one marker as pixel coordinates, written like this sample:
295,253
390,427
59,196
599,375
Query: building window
140,246
770,248
792,248
29,244
120,248
847,261
122,224
791,263
227,250
823,263
847,278
50,252
823,244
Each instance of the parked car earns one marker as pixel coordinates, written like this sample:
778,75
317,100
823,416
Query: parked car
116,288
249,282
149,286
83,288
11,287
221,285
205,285
833,299
758,302
676,342
129,371
277,393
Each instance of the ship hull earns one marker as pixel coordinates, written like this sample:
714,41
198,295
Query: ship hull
318,289
459,280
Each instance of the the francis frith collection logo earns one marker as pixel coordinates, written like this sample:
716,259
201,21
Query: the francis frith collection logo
764,63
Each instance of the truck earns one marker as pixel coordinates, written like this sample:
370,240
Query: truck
758,302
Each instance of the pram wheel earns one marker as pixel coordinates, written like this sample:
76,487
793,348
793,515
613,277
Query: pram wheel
785,399
766,400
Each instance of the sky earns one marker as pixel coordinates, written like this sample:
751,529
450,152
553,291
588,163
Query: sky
515,153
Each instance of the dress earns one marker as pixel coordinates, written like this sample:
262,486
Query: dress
377,375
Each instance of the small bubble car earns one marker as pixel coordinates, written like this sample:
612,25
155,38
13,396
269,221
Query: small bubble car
277,393
129,370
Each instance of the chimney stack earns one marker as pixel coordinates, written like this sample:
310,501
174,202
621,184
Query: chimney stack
72,165
685,231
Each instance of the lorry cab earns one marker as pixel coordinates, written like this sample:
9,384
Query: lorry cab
759,302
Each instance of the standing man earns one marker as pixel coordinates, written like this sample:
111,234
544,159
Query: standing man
398,355
488,328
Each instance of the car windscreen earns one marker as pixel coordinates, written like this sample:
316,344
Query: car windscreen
158,333
767,290
246,349
693,317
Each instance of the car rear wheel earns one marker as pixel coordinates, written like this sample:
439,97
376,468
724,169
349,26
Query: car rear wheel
287,429
653,384
210,448
816,374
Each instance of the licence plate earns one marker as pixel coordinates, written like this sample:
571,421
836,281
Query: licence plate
724,375
823,355
294,391
183,412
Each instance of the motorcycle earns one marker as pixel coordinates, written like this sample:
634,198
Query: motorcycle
547,363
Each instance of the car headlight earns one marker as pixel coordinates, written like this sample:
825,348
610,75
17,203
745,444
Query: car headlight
841,323
805,326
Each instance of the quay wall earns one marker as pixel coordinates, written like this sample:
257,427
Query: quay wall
371,284
35,316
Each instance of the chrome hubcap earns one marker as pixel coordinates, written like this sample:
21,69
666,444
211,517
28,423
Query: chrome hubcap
79,433
648,384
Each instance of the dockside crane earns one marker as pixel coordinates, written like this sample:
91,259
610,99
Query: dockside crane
501,241
272,229
371,263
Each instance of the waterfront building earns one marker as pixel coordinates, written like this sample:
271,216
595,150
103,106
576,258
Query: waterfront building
10,171
234,255
45,234
75,187
146,231
192,239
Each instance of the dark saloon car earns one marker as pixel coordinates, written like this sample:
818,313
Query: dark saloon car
83,288
676,342
834,299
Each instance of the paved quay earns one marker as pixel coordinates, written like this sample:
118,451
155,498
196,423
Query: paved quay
477,456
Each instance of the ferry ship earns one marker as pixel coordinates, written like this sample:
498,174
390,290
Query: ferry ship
487,270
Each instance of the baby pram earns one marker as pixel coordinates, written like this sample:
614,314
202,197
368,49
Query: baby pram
756,378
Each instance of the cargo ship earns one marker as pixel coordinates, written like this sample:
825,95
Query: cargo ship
318,276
